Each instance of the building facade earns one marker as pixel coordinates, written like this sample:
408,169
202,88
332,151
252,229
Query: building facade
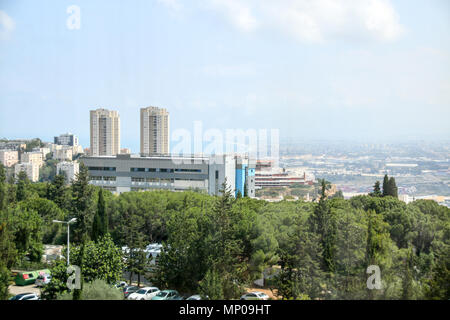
124,173
69,168
154,131
105,132
9,158
67,139
33,157
63,154
31,169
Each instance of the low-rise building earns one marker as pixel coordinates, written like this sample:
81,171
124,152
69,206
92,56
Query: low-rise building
69,168
9,158
30,168
124,173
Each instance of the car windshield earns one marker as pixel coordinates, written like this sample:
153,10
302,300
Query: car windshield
142,291
162,294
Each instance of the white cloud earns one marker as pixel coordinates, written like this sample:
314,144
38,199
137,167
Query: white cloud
7,25
309,20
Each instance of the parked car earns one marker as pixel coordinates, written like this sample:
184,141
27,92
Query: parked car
121,284
43,279
129,290
167,295
256,295
195,297
26,296
146,293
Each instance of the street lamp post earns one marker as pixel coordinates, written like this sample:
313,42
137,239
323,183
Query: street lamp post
73,220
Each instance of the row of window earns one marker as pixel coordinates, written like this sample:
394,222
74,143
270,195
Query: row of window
94,178
164,170
102,168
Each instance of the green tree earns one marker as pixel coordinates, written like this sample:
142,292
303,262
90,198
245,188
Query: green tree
386,190
57,191
3,188
82,211
211,286
376,190
392,188
97,290
100,224
22,186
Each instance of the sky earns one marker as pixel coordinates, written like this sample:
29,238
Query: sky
324,69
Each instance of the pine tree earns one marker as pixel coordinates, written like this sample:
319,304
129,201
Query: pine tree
323,223
385,185
22,182
81,210
376,190
56,191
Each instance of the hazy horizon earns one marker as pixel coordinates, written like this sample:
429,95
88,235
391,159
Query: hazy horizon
370,71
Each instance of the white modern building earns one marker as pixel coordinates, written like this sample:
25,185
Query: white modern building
30,168
124,173
69,168
154,131
9,157
105,132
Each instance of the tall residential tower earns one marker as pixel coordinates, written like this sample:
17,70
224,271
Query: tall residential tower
105,133
154,131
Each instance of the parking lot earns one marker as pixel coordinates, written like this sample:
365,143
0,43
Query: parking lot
14,289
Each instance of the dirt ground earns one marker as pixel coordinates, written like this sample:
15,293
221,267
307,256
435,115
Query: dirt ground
14,289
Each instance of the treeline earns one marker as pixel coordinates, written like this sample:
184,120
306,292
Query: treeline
218,245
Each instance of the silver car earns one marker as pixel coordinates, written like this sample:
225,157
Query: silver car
25,296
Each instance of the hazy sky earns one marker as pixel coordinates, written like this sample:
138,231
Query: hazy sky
338,69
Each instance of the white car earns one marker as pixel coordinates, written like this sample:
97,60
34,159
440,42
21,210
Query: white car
43,279
25,296
146,293
255,295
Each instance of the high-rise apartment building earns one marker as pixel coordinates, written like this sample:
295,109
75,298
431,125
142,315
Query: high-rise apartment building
105,132
154,131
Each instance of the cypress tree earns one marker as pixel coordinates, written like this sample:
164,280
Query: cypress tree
392,188
2,187
100,223
385,185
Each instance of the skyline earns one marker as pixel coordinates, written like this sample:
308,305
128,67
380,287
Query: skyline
231,65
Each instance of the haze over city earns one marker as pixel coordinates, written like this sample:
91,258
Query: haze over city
364,70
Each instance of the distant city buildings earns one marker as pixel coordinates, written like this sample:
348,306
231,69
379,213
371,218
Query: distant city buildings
69,169
105,132
9,158
154,131
268,176
30,168
67,139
